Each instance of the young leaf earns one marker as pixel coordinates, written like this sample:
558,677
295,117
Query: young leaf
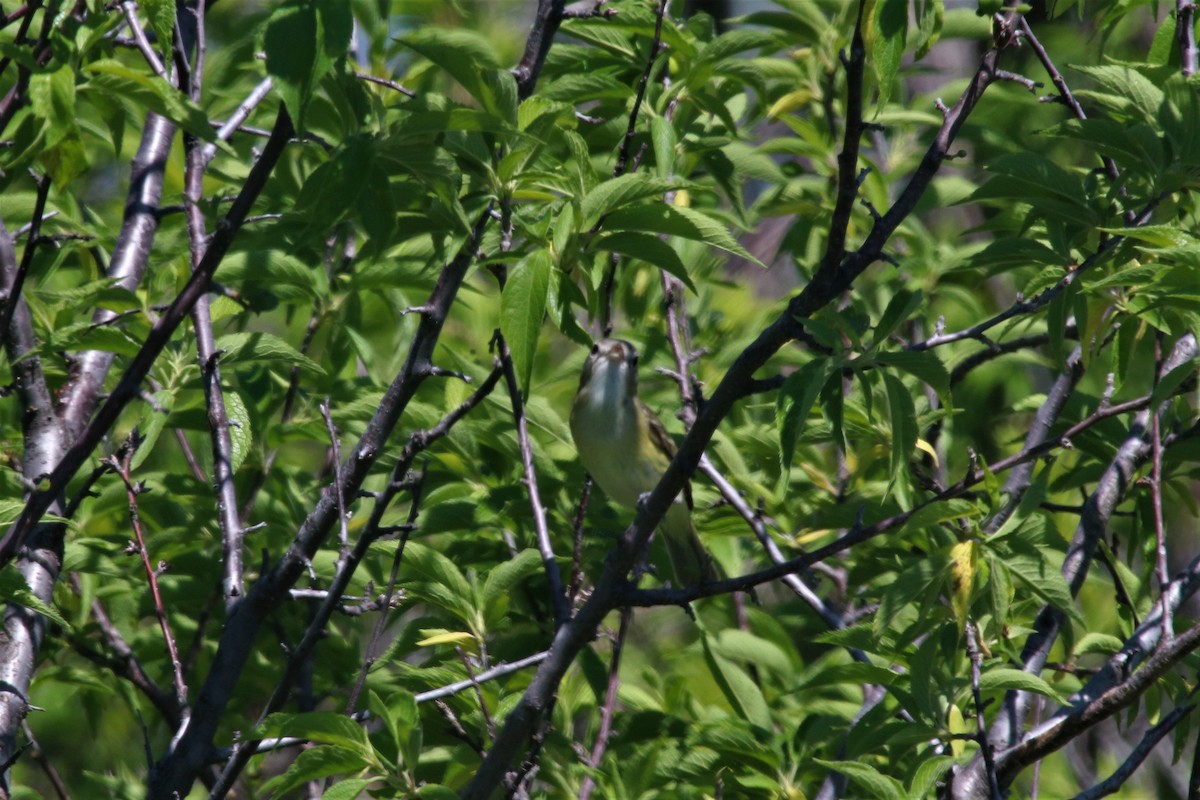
674,220
302,40
1005,678
739,689
795,400
503,577
876,784
620,192
522,307
904,424
900,308
239,347
239,429
649,248
885,35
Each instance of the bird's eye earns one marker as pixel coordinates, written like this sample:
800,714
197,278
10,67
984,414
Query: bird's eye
595,349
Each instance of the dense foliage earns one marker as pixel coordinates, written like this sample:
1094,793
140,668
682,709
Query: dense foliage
294,298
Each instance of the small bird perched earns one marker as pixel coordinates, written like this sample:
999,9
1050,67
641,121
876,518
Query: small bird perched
625,448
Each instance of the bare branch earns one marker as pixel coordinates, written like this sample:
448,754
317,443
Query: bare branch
143,44
121,467
1113,783
608,710
1185,36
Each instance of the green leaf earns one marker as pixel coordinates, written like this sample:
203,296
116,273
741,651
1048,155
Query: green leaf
504,577
648,248
522,307
934,514
11,510
332,190
924,576
111,77
1094,642
738,645
1156,235
833,403
303,39
924,366
795,400
349,789
1010,251
930,16
239,428
52,97
441,582
885,37
161,14
900,308
739,688
1005,678
469,58
316,726
619,192
151,426
14,589
927,775
845,674
1127,82
1043,580
677,221
876,784
399,714
240,347
662,134
85,336
1032,178
1171,382
904,424
314,764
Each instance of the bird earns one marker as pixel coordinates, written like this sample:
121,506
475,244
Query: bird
625,448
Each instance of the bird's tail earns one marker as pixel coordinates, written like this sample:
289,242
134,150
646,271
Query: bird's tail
690,561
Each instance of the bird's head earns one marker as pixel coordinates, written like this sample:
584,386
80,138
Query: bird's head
611,368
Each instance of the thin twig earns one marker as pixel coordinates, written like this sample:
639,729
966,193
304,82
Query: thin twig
230,126
121,659
558,594
42,760
1113,783
483,706
1156,497
585,494
220,436
971,635
498,671
160,335
396,87
609,282
1060,83
143,44
13,282
121,467
416,487
859,534
608,710
339,498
